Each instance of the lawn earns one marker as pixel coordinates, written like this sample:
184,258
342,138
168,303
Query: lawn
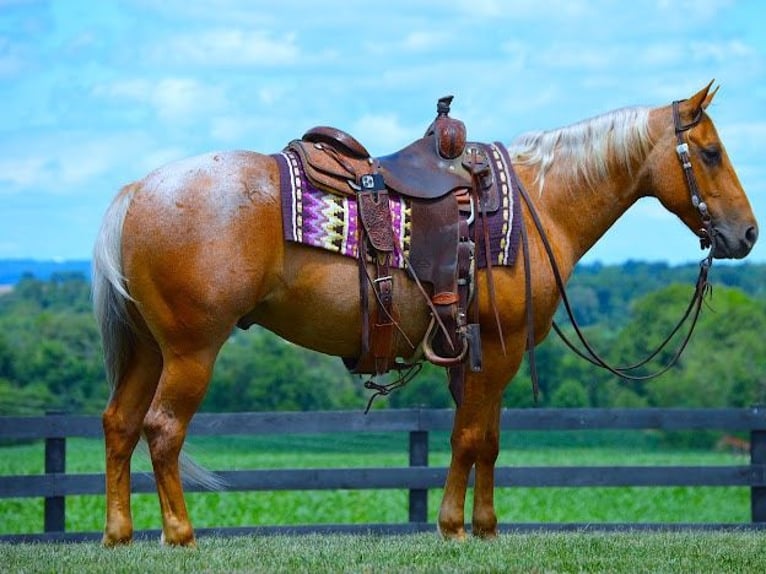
740,552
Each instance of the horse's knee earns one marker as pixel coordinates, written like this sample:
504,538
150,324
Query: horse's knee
120,435
471,445
489,449
164,434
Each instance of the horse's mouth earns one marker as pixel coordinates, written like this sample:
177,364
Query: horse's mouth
733,243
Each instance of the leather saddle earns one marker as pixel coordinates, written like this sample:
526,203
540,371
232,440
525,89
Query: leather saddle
428,168
442,175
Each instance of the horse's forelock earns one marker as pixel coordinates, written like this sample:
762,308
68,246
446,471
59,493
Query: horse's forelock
587,149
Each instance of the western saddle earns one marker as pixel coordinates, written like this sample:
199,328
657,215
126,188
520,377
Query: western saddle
448,184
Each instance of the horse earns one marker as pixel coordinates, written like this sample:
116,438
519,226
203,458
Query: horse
194,250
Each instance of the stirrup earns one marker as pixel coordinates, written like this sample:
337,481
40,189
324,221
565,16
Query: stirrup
432,357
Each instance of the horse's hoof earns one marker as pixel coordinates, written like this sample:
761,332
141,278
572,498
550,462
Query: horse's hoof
484,534
450,533
181,537
110,541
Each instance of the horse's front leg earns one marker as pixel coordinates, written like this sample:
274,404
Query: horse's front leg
475,443
484,520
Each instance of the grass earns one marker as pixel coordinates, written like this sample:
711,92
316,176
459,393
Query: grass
739,552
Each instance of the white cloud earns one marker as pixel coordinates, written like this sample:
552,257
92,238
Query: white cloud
424,40
225,47
20,171
181,98
577,57
172,99
693,10
524,9
12,60
743,139
70,163
721,51
383,133
232,128
56,166
151,159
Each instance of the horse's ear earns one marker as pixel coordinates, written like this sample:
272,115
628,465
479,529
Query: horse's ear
701,99
710,96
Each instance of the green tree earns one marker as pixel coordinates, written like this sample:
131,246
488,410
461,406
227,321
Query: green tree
259,371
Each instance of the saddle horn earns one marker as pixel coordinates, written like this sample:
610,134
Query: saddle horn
449,133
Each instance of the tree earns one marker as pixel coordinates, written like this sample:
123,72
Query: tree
260,371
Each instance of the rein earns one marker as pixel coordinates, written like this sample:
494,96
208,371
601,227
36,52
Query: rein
702,286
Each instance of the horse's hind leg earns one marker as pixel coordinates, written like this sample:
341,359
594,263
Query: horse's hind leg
184,381
122,420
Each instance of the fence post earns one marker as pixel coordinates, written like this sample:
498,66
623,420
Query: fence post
758,456
419,457
55,462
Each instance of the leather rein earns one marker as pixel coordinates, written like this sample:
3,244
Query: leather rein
702,287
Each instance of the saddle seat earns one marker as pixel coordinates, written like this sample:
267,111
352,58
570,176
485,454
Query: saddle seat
428,168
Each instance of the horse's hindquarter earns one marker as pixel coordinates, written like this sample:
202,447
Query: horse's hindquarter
198,241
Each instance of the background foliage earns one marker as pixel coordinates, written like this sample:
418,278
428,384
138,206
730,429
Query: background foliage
50,355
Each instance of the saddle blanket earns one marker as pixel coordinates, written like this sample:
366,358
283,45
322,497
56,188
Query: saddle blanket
317,218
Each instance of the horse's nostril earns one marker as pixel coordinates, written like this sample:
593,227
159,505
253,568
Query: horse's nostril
751,235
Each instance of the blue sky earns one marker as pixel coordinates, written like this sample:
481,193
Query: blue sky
95,94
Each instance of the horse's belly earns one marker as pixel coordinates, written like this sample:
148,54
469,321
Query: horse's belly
317,304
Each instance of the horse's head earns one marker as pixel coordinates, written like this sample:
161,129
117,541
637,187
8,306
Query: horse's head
690,173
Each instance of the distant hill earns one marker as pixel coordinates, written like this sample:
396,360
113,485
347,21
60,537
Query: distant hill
11,270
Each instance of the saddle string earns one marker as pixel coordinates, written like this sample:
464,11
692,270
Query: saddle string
384,390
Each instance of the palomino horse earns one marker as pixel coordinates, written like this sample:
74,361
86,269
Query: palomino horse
194,249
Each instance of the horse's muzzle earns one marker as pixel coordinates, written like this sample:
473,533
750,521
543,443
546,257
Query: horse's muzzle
734,242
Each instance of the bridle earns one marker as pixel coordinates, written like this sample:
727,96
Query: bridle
702,287
707,233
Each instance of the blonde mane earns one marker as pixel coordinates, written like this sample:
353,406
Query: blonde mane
587,150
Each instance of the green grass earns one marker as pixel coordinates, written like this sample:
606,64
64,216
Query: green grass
677,504
735,552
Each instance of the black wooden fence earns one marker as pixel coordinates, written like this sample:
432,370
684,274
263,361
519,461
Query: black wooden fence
55,485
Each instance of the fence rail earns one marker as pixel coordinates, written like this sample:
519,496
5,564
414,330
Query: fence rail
55,485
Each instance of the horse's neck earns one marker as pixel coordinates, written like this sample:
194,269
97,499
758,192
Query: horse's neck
575,214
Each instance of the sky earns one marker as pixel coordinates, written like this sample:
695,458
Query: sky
95,94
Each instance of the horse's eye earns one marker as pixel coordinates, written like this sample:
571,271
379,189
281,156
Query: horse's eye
711,155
